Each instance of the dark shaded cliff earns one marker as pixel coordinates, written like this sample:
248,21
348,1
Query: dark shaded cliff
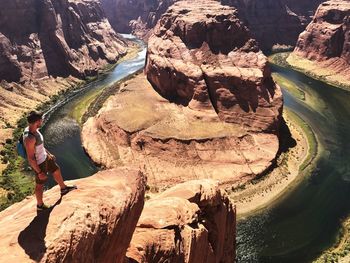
57,38
271,21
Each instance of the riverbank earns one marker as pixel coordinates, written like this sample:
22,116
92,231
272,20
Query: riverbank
341,251
314,69
17,181
291,164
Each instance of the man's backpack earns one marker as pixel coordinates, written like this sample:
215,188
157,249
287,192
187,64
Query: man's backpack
21,149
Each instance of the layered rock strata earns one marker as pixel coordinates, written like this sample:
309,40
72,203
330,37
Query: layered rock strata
323,49
171,143
271,21
191,222
204,57
201,56
55,38
45,48
94,223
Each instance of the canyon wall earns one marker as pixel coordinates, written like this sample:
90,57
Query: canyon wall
323,49
46,47
271,21
55,38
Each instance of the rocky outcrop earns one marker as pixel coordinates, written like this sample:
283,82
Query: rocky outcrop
55,38
225,120
94,223
204,57
191,222
325,43
274,22
271,21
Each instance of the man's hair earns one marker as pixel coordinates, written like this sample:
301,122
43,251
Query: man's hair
34,116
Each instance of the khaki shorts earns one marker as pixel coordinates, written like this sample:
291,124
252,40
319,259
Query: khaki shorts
48,166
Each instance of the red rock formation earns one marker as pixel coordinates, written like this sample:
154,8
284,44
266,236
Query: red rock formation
326,40
173,144
94,223
327,36
201,55
191,222
271,21
58,38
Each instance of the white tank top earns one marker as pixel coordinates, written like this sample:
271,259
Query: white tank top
40,151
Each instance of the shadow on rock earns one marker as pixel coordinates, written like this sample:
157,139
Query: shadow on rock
32,238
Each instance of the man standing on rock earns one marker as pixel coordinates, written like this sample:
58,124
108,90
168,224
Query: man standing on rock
40,159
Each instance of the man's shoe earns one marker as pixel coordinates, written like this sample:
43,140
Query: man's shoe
42,207
68,189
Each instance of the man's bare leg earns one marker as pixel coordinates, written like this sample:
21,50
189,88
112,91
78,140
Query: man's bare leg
39,189
58,178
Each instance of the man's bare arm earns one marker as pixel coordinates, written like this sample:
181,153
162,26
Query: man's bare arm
30,149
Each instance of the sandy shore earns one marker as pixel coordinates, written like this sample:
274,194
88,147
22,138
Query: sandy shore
252,197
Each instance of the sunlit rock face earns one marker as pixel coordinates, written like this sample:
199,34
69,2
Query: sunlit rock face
202,56
270,21
327,37
55,38
191,222
93,223
209,109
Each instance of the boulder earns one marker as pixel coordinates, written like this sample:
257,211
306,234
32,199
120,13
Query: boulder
94,223
191,222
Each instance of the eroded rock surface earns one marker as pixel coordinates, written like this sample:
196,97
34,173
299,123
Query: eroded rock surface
219,113
46,47
191,222
204,57
55,38
326,42
171,143
271,21
94,223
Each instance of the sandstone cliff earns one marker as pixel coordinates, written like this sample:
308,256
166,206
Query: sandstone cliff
204,57
100,222
271,21
45,48
55,38
94,223
323,49
225,120
275,21
189,223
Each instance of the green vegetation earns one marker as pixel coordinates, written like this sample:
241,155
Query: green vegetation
280,59
341,249
16,179
310,136
290,86
92,106
82,106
